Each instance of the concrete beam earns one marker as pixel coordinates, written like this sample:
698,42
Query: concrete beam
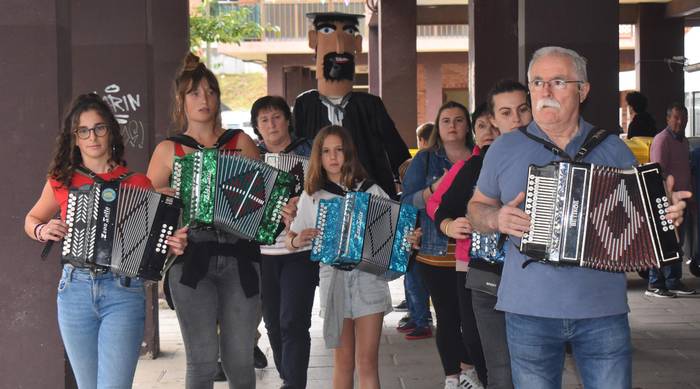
442,14
682,8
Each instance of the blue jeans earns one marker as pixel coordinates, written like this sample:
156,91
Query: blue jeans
669,277
416,297
101,322
601,347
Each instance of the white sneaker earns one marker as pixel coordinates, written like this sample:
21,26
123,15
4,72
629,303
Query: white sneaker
452,383
470,380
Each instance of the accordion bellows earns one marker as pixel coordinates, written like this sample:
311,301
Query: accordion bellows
366,232
296,165
599,217
231,192
120,226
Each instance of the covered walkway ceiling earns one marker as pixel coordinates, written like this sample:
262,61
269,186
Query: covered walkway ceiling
448,12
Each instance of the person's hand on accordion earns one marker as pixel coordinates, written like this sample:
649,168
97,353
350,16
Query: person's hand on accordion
166,191
289,211
296,241
54,229
675,211
177,242
457,229
414,238
511,219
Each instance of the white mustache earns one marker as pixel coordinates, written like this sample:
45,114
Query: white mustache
547,103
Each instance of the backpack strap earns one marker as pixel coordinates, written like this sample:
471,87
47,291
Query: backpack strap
226,137
595,137
295,143
93,176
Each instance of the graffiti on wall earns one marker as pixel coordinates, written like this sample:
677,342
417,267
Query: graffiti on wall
125,107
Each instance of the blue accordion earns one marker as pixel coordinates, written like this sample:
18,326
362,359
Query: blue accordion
488,247
366,232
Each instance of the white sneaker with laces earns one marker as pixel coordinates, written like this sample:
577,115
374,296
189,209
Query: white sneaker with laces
470,380
452,383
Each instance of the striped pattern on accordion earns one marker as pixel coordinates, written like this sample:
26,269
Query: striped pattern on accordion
599,217
119,226
365,231
488,247
296,165
236,194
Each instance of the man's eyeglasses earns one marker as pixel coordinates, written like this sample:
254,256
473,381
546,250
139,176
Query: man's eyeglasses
556,83
99,130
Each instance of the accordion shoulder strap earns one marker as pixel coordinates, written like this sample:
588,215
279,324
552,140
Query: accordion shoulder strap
595,137
189,141
93,176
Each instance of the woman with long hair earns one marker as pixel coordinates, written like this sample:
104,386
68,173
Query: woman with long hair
353,303
216,281
101,315
435,262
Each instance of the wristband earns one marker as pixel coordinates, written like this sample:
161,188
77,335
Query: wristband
447,227
291,242
37,231
431,188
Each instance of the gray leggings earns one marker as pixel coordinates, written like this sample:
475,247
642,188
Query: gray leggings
218,298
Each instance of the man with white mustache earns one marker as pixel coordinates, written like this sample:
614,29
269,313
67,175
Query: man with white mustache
548,306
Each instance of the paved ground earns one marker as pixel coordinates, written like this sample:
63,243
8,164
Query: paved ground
665,335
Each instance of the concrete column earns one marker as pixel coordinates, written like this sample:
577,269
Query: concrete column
36,81
275,75
297,79
590,28
659,38
433,87
493,46
397,65
373,54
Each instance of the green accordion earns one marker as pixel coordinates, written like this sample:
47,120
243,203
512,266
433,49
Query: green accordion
233,193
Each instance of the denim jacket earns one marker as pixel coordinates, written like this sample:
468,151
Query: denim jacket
434,163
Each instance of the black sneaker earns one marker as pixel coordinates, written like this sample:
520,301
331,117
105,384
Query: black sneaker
405,319
402,307
682,290
220,376
259,358
658,292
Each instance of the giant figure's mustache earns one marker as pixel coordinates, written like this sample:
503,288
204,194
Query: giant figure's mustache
338,66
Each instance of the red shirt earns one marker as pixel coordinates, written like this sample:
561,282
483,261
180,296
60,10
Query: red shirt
60,192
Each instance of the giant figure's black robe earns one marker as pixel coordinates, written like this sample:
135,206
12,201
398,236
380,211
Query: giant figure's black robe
379,145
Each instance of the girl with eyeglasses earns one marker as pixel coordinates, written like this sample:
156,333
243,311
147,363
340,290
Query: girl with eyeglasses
101,315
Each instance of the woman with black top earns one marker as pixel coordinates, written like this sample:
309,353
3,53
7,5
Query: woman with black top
508,109
642,123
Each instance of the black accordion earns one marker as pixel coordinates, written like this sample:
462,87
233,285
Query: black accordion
119,226
599,217
296,165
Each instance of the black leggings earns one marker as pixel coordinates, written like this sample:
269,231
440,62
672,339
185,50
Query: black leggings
470,333
441,283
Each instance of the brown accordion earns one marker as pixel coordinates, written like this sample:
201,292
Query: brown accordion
599,217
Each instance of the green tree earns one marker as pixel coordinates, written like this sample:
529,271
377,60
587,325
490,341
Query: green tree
232,26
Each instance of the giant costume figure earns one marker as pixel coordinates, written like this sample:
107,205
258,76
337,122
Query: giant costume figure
336,39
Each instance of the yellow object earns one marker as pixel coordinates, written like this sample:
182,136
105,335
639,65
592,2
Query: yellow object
640,145
413,152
